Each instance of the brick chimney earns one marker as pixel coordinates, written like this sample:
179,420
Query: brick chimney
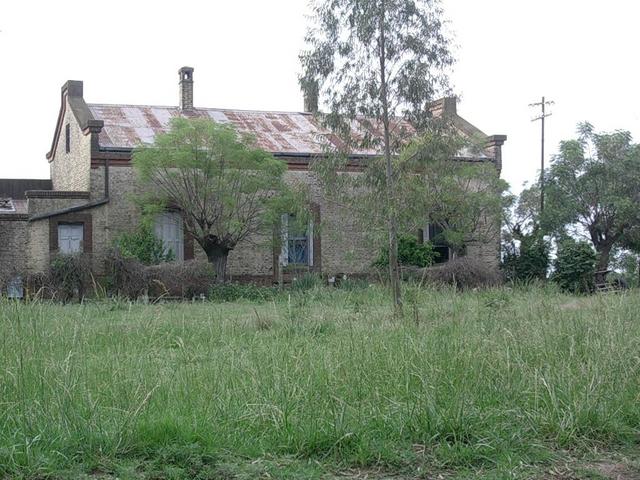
186,88
445,107
311,93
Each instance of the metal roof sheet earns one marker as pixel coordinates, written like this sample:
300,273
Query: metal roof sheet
129,126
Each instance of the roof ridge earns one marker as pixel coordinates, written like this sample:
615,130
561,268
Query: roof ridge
175,107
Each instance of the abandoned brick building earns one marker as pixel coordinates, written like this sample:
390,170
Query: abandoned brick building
88,200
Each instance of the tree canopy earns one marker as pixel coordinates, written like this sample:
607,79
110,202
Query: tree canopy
381,61
593,190
226,188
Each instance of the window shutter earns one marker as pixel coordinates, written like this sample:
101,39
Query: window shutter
284,233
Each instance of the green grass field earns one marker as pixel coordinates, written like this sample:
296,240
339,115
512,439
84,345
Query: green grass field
323,384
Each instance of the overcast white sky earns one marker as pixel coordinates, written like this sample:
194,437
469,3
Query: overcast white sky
580,53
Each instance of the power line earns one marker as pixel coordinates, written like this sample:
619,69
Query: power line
543,105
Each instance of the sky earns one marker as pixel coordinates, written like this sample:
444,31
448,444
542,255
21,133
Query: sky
582,54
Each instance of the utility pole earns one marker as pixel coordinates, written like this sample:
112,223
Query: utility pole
543,105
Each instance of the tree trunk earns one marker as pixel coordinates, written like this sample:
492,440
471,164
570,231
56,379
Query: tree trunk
394,268
217,256
604,251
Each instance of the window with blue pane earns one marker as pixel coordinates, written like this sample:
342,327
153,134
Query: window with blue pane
297,242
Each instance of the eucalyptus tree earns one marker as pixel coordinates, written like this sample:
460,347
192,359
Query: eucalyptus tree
381,62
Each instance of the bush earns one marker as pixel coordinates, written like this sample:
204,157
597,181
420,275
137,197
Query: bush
125,275
69,277
184,280
410,252
575,266
529,262
144,246
464,273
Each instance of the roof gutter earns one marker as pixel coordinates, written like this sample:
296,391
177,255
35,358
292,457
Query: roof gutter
64,211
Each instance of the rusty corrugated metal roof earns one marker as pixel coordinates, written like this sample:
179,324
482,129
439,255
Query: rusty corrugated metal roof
128,126
296,133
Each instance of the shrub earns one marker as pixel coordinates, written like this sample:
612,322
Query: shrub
575,266
464,273
528,262
185,280
125,275
69,276
144,246
410,252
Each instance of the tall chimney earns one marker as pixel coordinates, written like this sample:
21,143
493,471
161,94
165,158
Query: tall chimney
311,92
186,88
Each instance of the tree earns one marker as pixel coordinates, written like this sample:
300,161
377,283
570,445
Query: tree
525,255
225,187
574,266
380,61
593,189
631,253
463,198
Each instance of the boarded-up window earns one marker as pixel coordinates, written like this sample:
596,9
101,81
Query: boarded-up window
70,237
169,229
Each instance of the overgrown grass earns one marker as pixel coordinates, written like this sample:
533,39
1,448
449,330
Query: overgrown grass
316,382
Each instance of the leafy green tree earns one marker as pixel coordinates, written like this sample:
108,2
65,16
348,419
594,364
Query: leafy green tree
377,63
464,198
593,189
574,266
525,254
631,255
529,260
226,188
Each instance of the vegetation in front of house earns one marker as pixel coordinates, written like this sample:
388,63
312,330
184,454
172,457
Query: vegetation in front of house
410,252
226,187
492,384
384,62
143,245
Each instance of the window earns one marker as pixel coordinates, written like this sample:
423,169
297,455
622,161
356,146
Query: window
297,242
67,138
70,237
435,235
169,229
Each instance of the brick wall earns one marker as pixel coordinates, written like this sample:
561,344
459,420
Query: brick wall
13,248
345,246
70,171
